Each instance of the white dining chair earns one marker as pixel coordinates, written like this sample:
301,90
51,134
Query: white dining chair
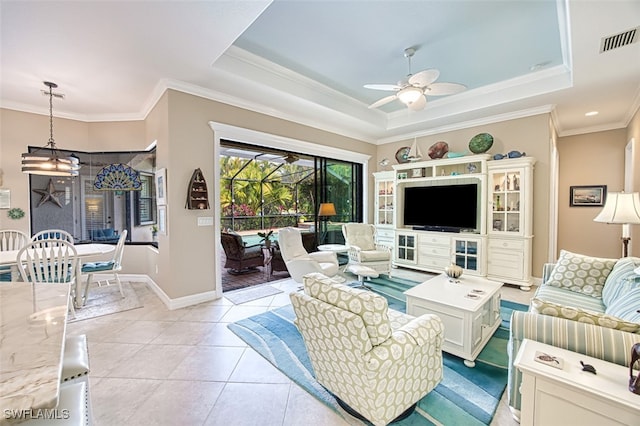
113,266
11,239
53,234
49,262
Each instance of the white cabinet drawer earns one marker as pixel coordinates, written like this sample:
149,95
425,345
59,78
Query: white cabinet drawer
434,240
504,244
385,234
434,251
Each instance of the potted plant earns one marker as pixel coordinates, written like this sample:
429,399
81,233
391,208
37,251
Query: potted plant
266,238
154,231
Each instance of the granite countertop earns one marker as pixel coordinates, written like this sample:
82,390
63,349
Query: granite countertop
32,327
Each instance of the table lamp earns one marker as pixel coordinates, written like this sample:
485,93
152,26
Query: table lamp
326,210
621,208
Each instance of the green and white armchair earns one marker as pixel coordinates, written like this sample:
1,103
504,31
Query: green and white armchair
377,362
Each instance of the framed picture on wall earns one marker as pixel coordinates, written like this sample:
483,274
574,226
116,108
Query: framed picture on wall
587,195
162,220
161,187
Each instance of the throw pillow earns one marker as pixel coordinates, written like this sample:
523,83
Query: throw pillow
627,307
621,280
582,274
544,307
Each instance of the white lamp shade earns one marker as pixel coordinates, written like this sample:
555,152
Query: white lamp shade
620,208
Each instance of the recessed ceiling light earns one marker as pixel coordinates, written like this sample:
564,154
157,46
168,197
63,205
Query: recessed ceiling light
591,113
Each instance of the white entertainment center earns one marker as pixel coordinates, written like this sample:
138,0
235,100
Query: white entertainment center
497,247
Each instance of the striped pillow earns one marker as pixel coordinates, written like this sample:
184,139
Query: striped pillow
621,280
627,307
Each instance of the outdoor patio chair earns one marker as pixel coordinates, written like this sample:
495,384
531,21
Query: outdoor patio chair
240,258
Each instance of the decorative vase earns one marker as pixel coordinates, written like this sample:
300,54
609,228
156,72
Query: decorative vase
453,271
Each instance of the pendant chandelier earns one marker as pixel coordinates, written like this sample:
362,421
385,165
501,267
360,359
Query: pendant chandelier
47,160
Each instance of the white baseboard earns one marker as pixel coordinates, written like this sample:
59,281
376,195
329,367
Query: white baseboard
171,304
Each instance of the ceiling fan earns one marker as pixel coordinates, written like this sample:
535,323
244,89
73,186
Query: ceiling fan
414,89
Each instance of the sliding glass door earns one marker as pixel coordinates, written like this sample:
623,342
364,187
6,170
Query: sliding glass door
340,184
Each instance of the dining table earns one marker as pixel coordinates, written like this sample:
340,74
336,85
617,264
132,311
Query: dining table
32,335
83,251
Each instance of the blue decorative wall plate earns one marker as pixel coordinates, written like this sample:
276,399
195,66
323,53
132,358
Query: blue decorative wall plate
117,177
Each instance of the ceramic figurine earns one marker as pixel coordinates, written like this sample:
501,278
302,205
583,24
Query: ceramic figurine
634,381
516,154
499,156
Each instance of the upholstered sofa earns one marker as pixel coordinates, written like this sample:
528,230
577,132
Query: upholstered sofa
585,304
376,361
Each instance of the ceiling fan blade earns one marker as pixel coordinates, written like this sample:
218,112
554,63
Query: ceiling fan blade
382,101
424,78
419,104
382,87
441,89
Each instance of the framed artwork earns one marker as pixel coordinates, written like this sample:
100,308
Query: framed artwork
587,195
5,199
162,220
416,173
161,187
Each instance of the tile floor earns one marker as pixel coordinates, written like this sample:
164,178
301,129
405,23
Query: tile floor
153,366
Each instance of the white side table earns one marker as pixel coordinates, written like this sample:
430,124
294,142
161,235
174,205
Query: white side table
336,248
570,396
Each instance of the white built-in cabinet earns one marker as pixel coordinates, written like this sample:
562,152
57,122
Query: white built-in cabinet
500,247
384,218
510,227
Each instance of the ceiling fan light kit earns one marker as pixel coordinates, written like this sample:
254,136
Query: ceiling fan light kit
412,91
409,95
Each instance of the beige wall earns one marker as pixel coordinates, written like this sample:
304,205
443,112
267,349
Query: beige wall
531,135
633,134
188,255
590,159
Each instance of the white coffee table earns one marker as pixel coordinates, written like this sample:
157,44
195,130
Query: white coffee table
468,307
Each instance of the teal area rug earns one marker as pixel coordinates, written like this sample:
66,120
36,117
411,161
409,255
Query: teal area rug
466,396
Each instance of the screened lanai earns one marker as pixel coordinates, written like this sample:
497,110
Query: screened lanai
263,189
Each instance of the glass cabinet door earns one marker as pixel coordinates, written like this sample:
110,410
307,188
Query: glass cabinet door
505,197
384,202
466,254
406,247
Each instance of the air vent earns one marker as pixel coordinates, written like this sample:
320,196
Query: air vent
619,40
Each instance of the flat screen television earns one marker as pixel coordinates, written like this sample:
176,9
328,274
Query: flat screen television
447,208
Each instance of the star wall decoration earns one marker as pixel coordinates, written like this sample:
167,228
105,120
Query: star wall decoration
50,193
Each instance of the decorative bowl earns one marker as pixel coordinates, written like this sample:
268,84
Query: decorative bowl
453,271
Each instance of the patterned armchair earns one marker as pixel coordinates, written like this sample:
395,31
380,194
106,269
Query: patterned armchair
363,250
377,362
239,257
